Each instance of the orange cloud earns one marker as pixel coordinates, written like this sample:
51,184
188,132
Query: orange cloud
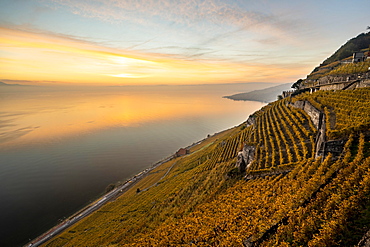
48,57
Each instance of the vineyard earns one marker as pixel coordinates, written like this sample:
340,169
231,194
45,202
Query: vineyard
193,200
320,203
351,68
284,135
346,111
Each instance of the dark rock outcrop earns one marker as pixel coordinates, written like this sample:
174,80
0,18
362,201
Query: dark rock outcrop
250,121
248,242
334,147
365,241
245,157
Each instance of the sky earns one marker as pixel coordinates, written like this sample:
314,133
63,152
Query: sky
149,42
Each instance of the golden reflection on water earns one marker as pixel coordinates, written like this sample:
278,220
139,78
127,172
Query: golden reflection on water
41,117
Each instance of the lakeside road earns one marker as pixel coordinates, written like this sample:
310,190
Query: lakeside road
95,205
118,191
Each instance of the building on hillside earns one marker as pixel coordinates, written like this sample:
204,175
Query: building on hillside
287,93
358,57
182,152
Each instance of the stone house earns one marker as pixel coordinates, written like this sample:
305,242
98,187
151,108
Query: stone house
182,151
358,57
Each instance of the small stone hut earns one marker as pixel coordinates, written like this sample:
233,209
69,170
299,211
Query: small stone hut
358,57
182,151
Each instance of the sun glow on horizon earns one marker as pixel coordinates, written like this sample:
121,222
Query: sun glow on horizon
34,56
129,76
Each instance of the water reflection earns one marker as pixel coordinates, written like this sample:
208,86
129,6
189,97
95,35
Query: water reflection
39,117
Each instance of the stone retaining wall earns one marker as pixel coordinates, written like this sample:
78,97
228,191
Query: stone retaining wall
322,145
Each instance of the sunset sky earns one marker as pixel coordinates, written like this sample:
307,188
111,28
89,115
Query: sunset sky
129,42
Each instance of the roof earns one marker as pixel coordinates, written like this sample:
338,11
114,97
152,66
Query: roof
358,54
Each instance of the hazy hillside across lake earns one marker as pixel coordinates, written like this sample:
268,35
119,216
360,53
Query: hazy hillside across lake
263,95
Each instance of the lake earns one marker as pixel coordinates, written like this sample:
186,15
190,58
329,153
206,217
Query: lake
60,148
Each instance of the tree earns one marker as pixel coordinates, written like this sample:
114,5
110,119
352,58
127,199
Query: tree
297,84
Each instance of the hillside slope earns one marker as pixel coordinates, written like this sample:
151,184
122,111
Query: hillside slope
203,200
362,41
263,95
340,62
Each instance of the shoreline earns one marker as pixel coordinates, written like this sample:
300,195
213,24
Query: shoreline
119,190
97,204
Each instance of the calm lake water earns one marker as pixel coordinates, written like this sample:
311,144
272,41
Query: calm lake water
59,149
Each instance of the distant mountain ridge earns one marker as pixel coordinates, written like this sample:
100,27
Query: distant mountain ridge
6,84
263,95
